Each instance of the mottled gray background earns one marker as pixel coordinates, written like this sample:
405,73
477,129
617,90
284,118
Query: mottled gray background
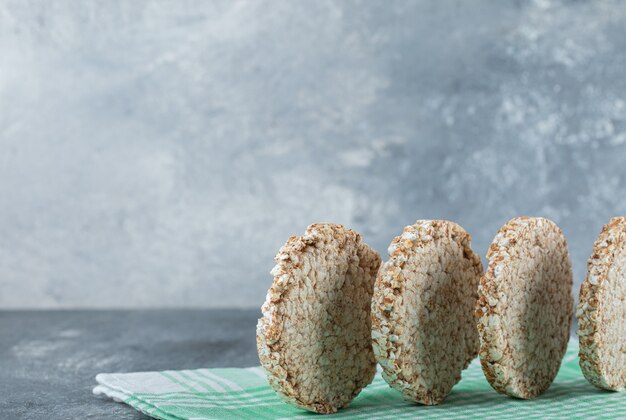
159,153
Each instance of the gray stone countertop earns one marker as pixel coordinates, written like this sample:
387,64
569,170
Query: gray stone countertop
49,359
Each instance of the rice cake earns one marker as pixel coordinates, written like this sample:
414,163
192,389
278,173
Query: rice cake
423,328
314,337
525,306
601,310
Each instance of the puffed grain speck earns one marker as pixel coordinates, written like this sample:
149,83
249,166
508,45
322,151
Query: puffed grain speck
314,336
423,327
601,310
524,311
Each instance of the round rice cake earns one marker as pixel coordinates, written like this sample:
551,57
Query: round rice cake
525,304
601,310
423,328
314,337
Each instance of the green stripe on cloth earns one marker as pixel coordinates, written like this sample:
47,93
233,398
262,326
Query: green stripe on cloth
245,394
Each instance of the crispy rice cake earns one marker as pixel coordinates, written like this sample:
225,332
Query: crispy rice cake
314,337
423,328
524,310
601,310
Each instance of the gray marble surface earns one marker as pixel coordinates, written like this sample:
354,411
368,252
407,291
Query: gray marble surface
157,153
48,360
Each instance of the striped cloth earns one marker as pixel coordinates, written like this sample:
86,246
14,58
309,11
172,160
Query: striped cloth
245,394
